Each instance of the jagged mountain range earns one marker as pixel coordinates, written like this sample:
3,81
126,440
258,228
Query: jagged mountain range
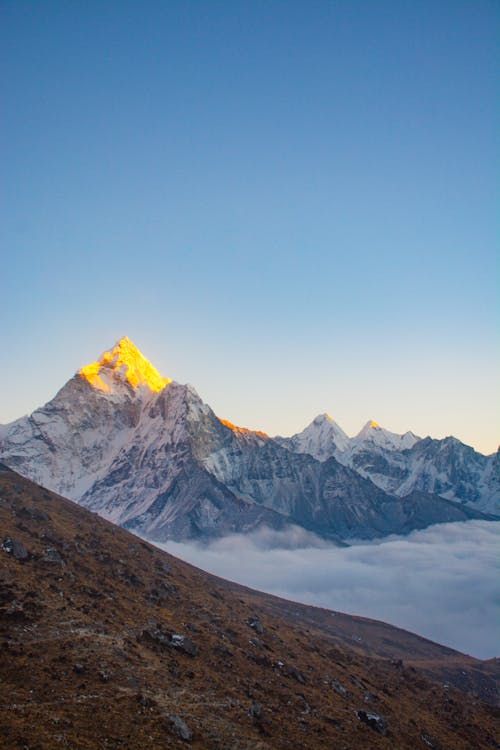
401,464
149,454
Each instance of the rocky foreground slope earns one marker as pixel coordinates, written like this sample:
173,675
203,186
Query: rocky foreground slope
108,642
149,454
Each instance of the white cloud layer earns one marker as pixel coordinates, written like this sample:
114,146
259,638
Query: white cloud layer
441,582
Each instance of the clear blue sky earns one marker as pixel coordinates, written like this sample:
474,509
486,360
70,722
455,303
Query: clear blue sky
290,205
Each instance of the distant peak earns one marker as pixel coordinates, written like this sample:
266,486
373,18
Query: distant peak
323,418
374,433
126,343
326,425
125,360
368,429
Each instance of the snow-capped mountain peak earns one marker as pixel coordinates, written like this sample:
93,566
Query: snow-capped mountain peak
367,431
326,423
322,438
149,453
123,364
322,418
372,432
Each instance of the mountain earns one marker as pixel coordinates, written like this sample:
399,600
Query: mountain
455,471
148,453
402,464
108,642
376,435
322,439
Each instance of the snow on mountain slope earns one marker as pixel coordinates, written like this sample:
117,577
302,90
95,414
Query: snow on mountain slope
74,438
377,435
322,439
148,453
455,471
447,468
402,464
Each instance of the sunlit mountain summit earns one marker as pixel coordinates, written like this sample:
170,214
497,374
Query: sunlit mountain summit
146,452
124,362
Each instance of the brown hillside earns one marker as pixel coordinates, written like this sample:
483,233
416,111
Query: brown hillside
108,642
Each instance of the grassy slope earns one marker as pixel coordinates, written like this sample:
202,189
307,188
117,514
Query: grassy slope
81,666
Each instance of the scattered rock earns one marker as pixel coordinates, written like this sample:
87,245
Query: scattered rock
131,579
374,721
339,688
15,548
145,702
33,514
357,682
262,660
307,707
16,610
256,711
255,624
78,668
170,640
179,727
290,671
184,644
155,637
163,593
256,642
429,741
142,700
19,551
191,627
169,588
52,556
8,545
104,675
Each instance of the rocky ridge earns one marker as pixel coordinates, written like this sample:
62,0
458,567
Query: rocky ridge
402,464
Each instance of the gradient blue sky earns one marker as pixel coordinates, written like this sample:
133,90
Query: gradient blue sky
290,205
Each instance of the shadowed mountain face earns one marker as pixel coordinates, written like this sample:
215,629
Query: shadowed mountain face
147,453
402,464
109,642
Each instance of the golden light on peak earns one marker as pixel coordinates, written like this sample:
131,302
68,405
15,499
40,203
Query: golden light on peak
374,424
241,430
91,373
126,359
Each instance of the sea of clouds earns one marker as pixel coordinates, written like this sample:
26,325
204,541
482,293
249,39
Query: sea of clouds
441,583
